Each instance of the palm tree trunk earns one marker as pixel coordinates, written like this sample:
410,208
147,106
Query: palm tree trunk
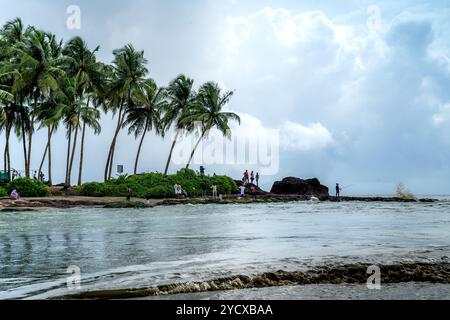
68,153
8,154
7,159
171,151
110,154
24,143
195,148
30,136
50,183
80,169
75,138
114,146
139,149
47,147
43,156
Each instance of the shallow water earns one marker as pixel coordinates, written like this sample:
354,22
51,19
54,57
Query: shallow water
124,248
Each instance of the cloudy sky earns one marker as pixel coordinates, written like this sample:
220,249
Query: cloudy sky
358,92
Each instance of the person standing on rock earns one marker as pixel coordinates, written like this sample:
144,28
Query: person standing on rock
252,177
257,179
253,191
246,176
338,191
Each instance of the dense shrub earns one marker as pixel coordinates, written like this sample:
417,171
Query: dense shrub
28,187
156,185
3,192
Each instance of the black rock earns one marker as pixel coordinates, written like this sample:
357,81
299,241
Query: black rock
292,185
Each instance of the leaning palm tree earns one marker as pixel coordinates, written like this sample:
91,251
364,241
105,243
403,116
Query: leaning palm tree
49,115
146,116
182,98
90,116
129,76
208,111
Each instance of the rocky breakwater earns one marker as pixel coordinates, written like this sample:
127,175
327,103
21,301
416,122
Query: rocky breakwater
297,186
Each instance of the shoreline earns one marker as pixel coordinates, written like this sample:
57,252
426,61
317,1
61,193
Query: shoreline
436,273
72,201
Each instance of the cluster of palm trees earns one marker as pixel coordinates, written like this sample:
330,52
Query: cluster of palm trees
45,84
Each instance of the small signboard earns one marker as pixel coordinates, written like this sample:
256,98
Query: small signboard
120,168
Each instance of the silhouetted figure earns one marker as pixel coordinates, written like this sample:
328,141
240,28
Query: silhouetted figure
338,190
257,179
129,194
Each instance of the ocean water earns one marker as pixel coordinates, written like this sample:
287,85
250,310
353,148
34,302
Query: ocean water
123,248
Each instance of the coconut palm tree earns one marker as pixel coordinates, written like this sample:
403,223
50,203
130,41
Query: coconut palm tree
82,66
208,111
12,34
40,68
128,78
146,116
182,98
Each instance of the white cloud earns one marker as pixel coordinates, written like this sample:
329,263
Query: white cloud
442,116
297,137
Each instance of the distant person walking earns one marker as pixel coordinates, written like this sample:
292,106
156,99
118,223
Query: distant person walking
338,191
129,194
257,179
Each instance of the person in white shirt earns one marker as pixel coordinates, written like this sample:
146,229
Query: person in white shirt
242,189
214,191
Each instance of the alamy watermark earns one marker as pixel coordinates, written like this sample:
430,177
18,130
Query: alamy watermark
73,22
374,280
74,280
374,20
257,149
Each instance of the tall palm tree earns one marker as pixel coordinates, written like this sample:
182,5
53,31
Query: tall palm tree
40,69
182,98
128,78
146,116
208,111
12,34
81,65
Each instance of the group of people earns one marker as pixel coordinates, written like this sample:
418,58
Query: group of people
38,177
251,178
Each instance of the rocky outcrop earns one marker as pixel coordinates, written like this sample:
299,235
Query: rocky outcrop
310,187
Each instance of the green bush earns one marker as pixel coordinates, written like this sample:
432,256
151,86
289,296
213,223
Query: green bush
3,192
28,188
156,185
160,192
